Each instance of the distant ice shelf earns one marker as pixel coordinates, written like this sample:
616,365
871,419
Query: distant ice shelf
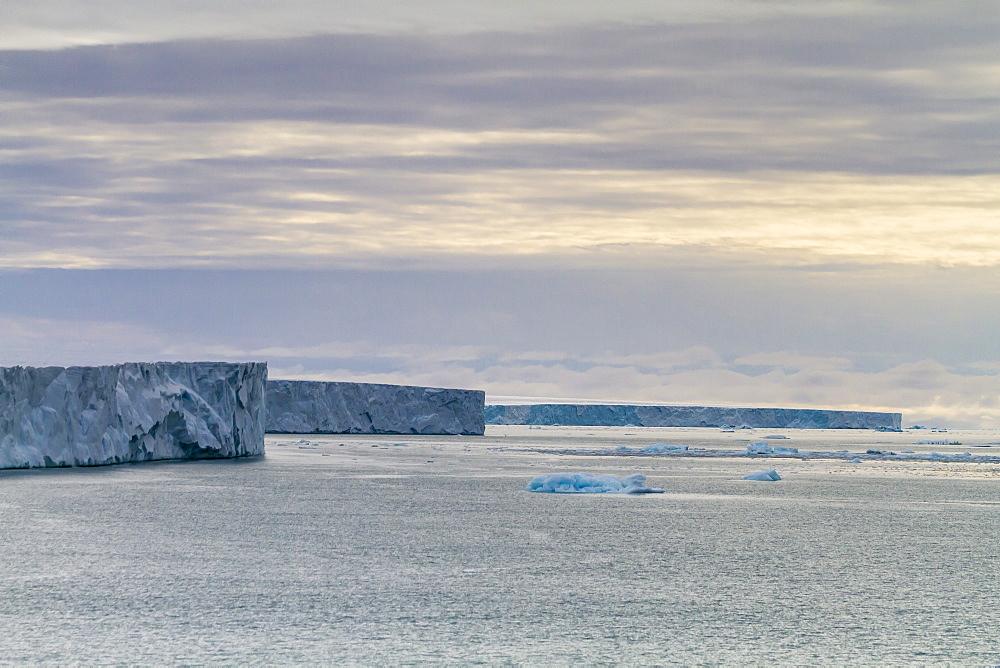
612,415
315,407
91,416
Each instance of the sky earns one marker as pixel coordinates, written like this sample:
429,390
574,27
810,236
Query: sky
718,202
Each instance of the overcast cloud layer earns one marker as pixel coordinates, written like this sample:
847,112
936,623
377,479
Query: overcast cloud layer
729,202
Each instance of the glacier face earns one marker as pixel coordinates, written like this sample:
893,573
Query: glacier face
688,416
90,416
316,407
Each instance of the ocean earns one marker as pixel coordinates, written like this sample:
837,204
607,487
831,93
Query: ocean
405,550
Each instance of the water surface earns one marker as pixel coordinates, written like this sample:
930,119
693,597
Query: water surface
357,550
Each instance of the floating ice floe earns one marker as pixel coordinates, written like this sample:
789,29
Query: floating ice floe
765,475
775,436
854,461
588,483
938,443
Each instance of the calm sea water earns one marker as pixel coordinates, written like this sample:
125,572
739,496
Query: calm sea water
358,551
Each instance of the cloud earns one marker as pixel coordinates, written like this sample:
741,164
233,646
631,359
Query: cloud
793,361
858,136
61,23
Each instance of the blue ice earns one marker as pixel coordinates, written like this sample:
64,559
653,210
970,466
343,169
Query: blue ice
588,483
766,474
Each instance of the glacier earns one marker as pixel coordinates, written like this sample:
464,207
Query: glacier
317,407
138,411
612,415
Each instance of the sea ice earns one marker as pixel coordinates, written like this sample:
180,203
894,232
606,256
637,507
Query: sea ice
766,475
588,483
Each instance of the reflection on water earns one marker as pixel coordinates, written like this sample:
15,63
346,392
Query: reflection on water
362,551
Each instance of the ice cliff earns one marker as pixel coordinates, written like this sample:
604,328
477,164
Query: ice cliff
90,416
688,416
314,407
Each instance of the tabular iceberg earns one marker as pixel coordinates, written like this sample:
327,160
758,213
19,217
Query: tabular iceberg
688,416
91,416
315,407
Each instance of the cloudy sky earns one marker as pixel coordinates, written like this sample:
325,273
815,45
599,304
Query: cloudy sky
722,201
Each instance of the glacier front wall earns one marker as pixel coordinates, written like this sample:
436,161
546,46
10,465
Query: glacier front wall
90,416
688,416
315,407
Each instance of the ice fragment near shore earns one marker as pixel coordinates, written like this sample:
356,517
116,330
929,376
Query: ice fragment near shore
588,483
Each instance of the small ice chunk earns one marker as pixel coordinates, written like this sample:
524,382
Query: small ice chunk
779,450
636,484
588,483
775,436
766,475
854,461
657,448
760,448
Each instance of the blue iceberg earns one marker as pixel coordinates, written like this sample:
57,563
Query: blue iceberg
588,483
